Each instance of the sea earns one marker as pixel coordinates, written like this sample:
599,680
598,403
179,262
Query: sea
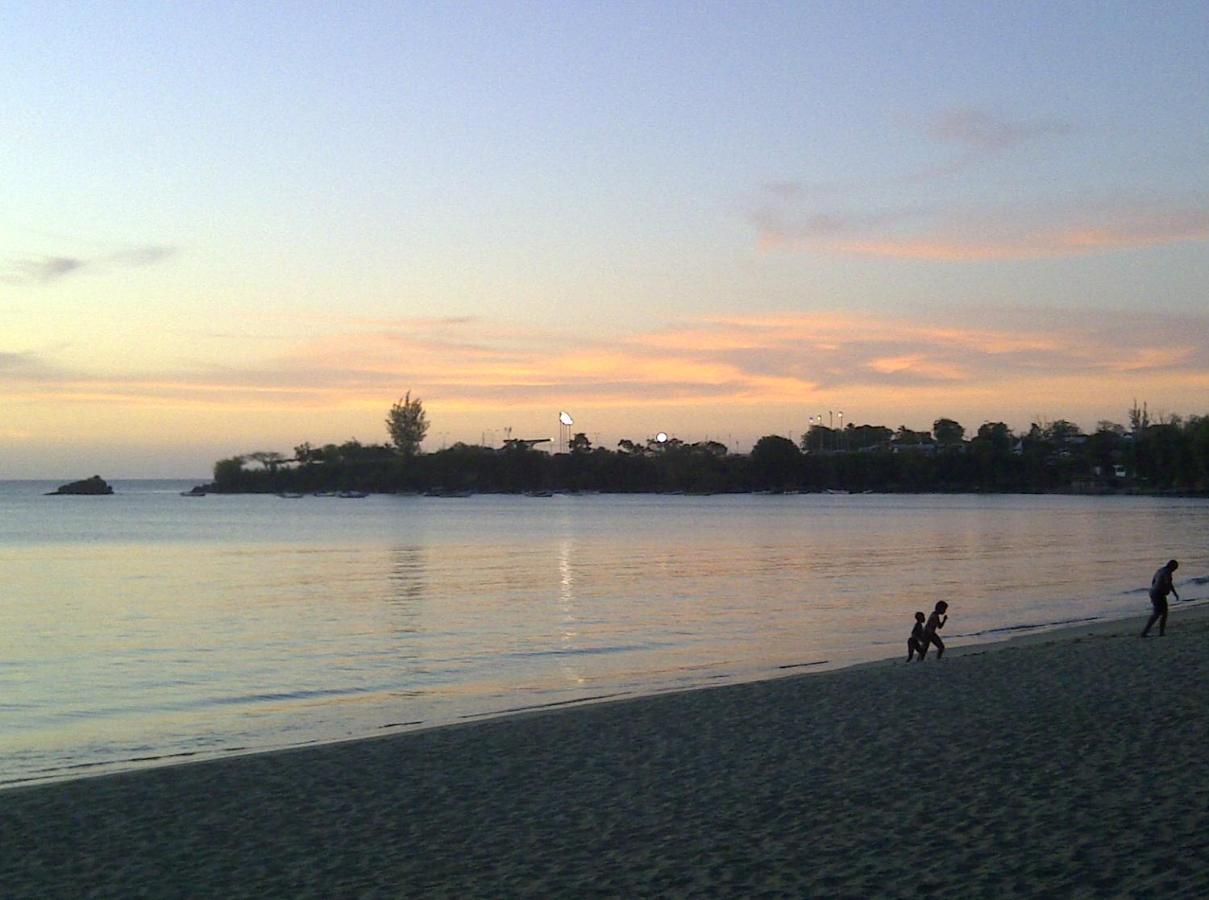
148,628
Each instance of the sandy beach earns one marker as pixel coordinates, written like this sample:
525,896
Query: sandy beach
1070,763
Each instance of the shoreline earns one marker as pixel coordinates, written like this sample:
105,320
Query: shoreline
206,486
1158,493
979,642
1066,760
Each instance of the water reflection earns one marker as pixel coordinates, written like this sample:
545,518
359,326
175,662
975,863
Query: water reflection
408,576
569,625
235,632
405,600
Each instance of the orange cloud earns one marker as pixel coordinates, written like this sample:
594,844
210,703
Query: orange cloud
1176,228
726,369
1146,358
916,363
1034,228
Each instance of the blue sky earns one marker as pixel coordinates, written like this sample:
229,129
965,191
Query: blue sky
242,226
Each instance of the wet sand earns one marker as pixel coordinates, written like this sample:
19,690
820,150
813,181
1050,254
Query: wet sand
1070,763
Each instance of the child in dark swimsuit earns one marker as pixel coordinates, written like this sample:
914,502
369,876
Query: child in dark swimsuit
915,643
936,621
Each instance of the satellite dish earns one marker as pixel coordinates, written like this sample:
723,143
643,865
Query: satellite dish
565,418
661,437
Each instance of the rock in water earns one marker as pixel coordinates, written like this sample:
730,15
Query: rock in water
94,485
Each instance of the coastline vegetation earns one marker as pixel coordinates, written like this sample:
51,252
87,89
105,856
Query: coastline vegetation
1169,454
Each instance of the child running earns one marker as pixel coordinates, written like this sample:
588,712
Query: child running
915,643
936,621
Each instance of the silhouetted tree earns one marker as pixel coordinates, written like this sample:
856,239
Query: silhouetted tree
774,461
1171,453
996,435
711,448
269,459
229,472
866,437
1062,432
1163,457
948,433
909,438
1198,432
1139,419
407,425
818,439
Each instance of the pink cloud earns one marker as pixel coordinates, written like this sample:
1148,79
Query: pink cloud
882,216
710,365
1008,236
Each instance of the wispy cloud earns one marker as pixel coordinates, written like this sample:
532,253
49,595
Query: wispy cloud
980,136
708,363
13,361
1043,230
143,256
790,217
845,350
50,268
47,269
781,225
27,368
980,130
999,237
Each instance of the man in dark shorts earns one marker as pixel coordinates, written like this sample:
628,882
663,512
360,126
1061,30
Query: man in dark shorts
1160,587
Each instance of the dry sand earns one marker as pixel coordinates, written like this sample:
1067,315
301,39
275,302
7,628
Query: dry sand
1071,764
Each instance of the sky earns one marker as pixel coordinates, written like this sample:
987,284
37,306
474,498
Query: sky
230,227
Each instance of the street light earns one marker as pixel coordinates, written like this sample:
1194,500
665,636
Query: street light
564,430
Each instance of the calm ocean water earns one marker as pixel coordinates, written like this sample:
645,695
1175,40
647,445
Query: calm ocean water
147,627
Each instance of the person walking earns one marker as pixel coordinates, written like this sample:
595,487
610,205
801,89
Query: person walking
1160,587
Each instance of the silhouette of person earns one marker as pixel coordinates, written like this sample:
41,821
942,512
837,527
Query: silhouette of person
1160,587
936,621
915,643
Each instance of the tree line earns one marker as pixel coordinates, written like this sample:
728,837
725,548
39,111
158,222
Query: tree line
1168,454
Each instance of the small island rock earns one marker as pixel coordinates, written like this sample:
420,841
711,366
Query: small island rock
94,485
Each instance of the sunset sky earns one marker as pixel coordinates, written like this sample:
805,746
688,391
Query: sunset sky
228,227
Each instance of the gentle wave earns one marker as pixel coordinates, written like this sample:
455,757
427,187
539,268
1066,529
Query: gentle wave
168,628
